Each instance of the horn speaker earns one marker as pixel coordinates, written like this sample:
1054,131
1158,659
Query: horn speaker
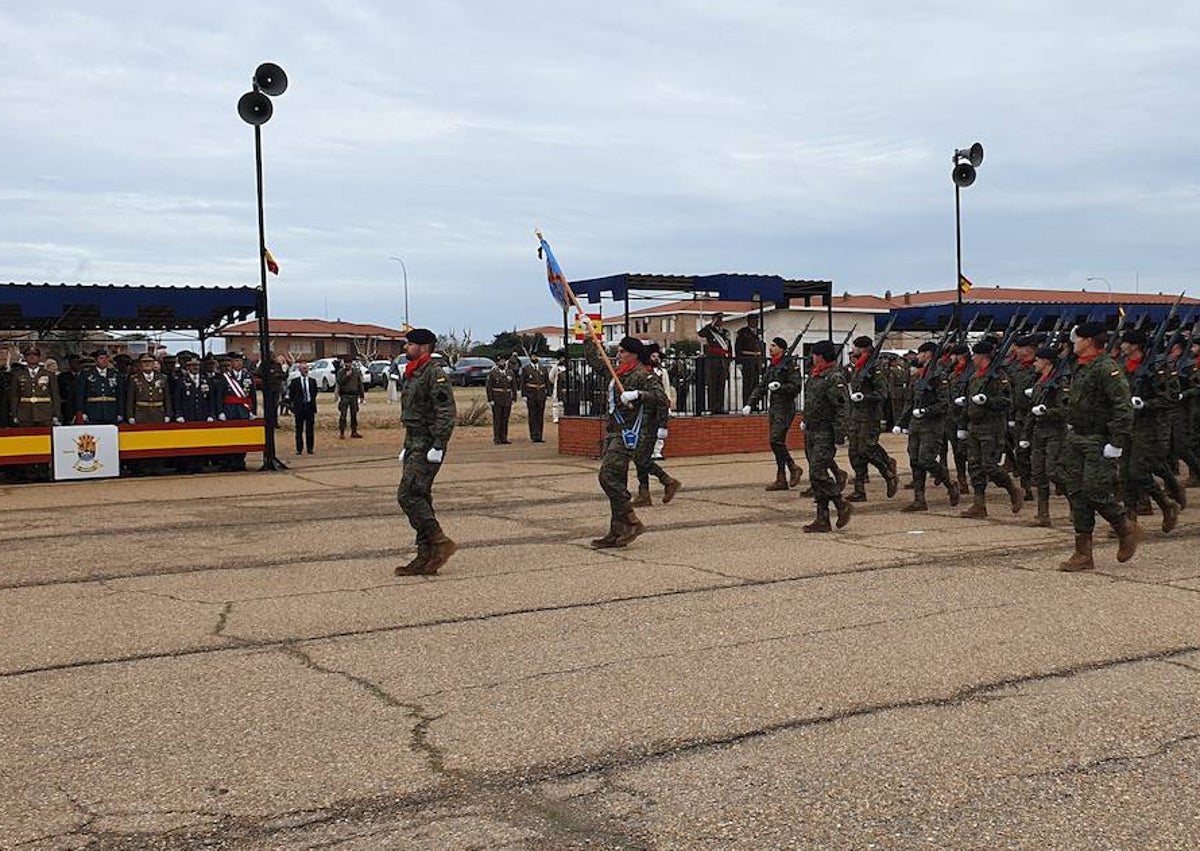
255,108
271,80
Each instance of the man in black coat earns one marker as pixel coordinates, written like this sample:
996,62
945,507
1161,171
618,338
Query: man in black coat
302,393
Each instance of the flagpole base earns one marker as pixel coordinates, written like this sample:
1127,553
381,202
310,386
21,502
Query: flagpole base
270,465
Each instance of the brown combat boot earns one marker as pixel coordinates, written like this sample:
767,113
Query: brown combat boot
1175,490
844,510
978,508
670,488
860,490
953,492
795,473
631,527
1017,497
1143,507
609,540
891,479
821,524
1082,559
440,550
1170,513
780,483
1043,509
413,568
918,503
1129,535
643,497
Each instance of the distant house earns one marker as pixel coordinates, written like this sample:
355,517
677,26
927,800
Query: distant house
552,333
318,338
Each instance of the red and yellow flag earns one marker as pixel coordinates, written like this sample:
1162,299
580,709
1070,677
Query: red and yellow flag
964,284
272,266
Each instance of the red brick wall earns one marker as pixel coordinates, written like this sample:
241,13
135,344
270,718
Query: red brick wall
688,435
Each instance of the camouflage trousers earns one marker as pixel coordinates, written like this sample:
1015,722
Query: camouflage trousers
415,493
1046,456
1183,446
926,441
642,460
780,421
614,474
820,449
985,444
1146,456
865,449
954,446
1091,482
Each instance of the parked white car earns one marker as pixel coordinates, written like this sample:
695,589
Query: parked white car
324,370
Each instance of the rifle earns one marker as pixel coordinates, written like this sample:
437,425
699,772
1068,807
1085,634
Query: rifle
1010,333
846,341
873,358
1153,353
796,341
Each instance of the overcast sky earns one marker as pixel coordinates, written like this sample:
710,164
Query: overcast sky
810,140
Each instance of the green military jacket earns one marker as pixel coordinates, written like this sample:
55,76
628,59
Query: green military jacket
929,392
1021,376
872,383
427,408
148,400
534,384
622,415
499,386
994,412
1158,388
826,400
34,396
1098,402
1052,393
349,382
789,377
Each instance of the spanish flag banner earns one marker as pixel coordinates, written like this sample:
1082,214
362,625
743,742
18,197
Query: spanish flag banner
964,284
272,266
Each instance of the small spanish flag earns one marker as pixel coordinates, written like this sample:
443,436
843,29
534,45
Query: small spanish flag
272,266
964,284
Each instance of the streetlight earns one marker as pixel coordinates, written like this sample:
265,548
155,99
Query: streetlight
965,161
1105,280
405,270
255,108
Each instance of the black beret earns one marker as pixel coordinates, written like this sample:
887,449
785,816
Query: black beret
927,346
422,337
863,343
1135,337
632,345
651,348
782,343
1090,330
825,348
985,347
1047,353
960,349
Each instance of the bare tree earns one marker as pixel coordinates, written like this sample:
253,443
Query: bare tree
454,344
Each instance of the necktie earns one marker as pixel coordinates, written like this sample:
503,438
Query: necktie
304,381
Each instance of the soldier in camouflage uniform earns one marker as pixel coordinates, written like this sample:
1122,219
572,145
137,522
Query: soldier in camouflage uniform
984,417
825,423
782,378
924,418
427,412
867,392
1021,376
1154,391
1046,429
1099,425
958,373
1189,381
658,413
629,413
1181,420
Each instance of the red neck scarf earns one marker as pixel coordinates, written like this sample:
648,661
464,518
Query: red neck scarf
775,359
1084,359
1132,365
626,368
413,365
819,368
981,371
960,368
862,361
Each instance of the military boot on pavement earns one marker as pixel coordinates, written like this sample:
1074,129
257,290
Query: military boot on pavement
609,540
952,492
821,524
978,508
844,510
413,568
670,488
631,527
1082,559
440,550
643,497
780,483
918,503
795,473
1129,535
1043,509
860,490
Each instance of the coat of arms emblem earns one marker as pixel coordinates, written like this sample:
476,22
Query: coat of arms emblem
85,449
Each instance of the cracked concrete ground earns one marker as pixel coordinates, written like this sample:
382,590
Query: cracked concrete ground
229,662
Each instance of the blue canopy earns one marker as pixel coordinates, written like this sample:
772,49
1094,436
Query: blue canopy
726,286
76,307
1040,315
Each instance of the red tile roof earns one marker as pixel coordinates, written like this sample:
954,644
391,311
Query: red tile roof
986,294
315,328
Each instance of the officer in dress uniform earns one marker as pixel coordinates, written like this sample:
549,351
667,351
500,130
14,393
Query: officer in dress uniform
715,364
535,387
194,401
499,388
98,392
239,401
748,350
34,398
148,397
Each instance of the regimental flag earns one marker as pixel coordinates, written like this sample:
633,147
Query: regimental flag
554,273
272,266
964,284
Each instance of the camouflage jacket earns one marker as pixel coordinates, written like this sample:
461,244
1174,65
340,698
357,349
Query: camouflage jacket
621,415
427,408
788,375
1098,402
826,403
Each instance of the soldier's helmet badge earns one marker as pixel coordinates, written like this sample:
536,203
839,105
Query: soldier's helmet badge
85,449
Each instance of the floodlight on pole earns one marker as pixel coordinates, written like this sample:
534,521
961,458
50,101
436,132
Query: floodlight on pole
966,161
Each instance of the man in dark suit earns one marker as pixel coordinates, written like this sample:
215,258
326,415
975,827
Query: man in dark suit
302,393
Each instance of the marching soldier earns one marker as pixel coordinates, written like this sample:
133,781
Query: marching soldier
1182,369
148,399
627,418
715,364
1021,376
957,375
1153,390
1046,429
1099,423
782,379
499,387
824,425
658,413
924,418
34,398
350,394
866,395
985,410
427,411
98,392
535,387
1190,391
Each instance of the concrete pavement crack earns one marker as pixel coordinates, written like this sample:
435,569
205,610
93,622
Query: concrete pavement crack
1116,761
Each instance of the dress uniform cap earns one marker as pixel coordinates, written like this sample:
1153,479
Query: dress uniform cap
234,355
782,343
422,337
1090,330
825,348
147,357
631,344
985,347
863,343
927,346
1134,336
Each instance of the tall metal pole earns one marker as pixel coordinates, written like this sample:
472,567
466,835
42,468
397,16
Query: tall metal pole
404,269
270,402
958,326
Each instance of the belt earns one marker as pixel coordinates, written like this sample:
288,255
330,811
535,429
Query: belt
101,399
36,399
236,400
148,404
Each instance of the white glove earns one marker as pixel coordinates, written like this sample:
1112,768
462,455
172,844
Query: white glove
221,417
803,425
253,416
434,455
631,396
1038,410
1023,444
662,434
895,429
979,398
773,386
85,418
918,413
179,419
54,421
131,421
1028,392
961,401
1012,423
208,419
746,411
1138,403
961,434
400,457
856,396
1111,451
